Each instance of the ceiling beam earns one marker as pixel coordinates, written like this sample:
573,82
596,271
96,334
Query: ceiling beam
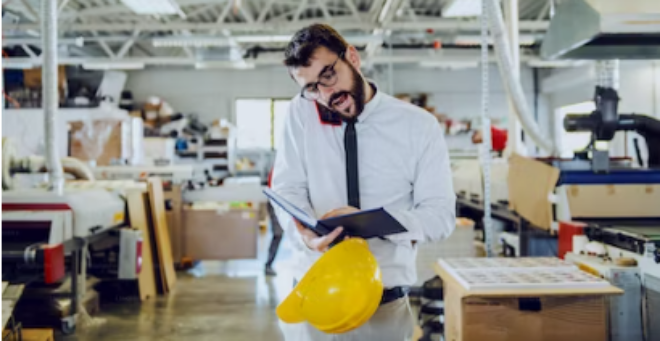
62,6
324,9
33,13
339,23
544,11
29,51
223,15
247,15
354,11
120,9
264,12
127,45
270,59
300,10
106,49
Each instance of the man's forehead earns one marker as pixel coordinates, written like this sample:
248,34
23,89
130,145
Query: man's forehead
320,59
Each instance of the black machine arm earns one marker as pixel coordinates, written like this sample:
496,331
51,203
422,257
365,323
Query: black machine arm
605,121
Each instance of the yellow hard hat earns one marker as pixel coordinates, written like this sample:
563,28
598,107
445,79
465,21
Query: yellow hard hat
339,293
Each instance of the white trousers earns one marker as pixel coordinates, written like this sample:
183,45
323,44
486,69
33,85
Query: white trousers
391,322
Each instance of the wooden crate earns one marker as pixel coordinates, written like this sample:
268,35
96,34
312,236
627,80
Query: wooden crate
213,235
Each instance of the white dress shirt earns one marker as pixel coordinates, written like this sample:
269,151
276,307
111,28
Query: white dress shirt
403,167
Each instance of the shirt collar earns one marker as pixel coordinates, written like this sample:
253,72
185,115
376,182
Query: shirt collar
371,106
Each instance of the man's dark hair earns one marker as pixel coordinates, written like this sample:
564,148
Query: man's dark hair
307,40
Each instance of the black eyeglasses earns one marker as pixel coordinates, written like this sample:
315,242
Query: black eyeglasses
327,77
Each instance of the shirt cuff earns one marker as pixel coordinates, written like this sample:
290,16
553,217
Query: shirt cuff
409,222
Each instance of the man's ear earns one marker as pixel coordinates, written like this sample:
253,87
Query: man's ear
353,56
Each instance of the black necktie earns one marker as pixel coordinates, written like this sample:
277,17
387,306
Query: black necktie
352,182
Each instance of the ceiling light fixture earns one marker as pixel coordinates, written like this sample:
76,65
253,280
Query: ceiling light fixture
471,40
449,65
238,64
153,7
462,8
190,42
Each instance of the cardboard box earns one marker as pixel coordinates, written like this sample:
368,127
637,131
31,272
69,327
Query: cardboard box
217,234
32,77
533,314
468,178
533,192
106,141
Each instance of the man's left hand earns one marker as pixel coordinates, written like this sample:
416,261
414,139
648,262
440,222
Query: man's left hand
340,211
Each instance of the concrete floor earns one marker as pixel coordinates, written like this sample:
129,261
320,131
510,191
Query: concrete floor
213,301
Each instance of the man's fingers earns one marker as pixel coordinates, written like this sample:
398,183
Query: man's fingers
299,226
335,233
330,214
328,239
339,211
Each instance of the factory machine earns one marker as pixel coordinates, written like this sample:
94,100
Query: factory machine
174,174
624,219
45,233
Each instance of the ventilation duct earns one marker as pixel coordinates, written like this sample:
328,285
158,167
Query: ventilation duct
604,29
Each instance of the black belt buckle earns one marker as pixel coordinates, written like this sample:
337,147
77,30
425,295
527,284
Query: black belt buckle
393,294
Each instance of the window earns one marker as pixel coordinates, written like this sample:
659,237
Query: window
568,143
260,122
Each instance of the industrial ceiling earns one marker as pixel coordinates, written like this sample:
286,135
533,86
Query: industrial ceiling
245,33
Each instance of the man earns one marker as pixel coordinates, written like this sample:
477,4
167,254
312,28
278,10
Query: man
348,146
277,234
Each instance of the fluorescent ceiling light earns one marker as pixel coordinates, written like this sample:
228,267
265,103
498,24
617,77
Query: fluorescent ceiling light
449,65
539,63
153,7
523,39
239,64
190,41
263,38
113,65
462,8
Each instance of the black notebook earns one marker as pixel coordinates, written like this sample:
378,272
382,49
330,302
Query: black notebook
364,224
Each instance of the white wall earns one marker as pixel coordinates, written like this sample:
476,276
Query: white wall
211,93
639,85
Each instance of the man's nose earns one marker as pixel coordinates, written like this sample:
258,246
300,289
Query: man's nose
326,92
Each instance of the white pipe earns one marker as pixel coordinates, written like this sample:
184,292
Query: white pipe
51,93
514,143
77,169
513,86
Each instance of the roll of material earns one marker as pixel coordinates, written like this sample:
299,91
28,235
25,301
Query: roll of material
579,243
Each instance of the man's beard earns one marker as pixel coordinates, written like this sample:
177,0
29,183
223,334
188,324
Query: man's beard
357,92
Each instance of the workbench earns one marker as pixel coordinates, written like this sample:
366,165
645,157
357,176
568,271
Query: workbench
533,241
501,309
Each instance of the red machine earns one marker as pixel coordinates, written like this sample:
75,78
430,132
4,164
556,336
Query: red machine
568,229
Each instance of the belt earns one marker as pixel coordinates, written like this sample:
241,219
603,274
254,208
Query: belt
393,294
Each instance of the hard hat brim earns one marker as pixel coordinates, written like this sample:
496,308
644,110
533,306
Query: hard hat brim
289,310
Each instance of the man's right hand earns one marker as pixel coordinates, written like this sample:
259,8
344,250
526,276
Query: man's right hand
314,241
